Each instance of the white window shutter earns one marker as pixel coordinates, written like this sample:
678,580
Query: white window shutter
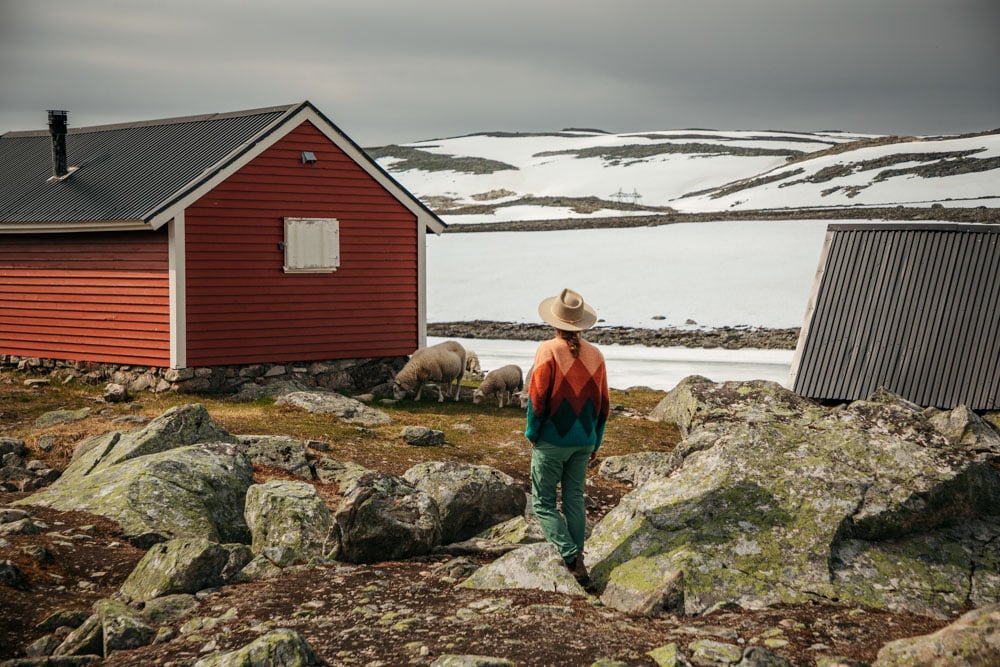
312,245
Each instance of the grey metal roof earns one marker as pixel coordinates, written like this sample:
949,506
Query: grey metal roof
911,308
126,172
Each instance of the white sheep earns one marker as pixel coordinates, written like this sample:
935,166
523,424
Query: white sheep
522,395
472,367
439,363
502,383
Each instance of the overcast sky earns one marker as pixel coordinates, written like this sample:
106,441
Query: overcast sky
404,70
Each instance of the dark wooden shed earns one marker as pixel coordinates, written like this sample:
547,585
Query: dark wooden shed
911,308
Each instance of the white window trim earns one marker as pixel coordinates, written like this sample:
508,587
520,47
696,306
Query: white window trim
312,245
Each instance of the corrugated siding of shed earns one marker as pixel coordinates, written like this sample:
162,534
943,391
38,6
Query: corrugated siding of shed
86,297
915,310
241,306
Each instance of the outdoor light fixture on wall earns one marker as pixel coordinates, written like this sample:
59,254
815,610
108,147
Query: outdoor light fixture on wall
308,157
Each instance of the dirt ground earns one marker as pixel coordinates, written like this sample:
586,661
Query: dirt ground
395,613
403,613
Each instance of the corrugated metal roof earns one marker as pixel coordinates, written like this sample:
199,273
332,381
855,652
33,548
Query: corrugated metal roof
914,309
127,171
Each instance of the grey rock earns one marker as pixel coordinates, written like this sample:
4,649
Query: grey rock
346,409
277,451
279,648
176,566
115,393
56,417
239,556
966,429
973,639
384,517
169,608
456,660
422,436
178,476
13,445
261,567
88,639
43,646
291,515
70,618
121,627
470,498
669,655
705,652
757,656
776,499
535,566
11,575
342,473
9,515
637,468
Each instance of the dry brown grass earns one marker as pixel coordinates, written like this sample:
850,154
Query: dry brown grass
480,434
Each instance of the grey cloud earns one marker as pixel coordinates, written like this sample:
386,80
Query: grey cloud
395,70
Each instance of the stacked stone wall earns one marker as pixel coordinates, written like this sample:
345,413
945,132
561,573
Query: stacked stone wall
344,375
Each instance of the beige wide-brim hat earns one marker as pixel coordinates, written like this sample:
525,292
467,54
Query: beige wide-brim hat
567,311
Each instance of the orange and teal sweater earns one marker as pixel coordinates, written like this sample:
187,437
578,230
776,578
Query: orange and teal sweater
568,402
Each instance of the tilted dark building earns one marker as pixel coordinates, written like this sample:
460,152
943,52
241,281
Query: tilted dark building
911,308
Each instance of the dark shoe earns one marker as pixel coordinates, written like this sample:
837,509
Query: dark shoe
579,571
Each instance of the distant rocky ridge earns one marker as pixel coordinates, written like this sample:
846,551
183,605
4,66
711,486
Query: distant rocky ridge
979,214
730,338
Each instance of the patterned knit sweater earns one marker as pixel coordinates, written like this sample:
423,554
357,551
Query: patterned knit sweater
568,402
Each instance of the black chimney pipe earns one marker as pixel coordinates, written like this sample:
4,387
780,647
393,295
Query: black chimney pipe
57,129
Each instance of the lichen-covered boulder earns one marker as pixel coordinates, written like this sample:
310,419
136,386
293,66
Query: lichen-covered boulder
112,627
121,627
342,473
277,451
384,517
328,402
176,566
279,648
291,516
180,425
697,400
636,468
470,498
179,476
777,499
973,639
964,428
535,566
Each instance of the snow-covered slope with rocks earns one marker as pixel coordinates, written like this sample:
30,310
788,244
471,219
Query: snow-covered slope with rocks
495,177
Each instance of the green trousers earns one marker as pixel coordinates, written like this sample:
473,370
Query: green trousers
565,468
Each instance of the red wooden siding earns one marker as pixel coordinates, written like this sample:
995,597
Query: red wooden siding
242,307
100,297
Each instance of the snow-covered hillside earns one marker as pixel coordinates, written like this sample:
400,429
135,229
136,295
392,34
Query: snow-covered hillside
587,173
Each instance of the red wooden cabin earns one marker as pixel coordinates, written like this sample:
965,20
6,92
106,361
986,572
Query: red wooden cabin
241,238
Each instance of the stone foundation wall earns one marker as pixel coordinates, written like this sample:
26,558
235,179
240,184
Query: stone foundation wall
344,375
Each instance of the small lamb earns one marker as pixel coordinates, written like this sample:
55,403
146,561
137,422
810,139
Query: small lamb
439,363
472,367
502,383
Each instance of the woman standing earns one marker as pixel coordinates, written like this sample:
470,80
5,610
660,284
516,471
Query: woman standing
568,407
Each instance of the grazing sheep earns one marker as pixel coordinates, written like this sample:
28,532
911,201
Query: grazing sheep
439,363
522,396
472,367
502,383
